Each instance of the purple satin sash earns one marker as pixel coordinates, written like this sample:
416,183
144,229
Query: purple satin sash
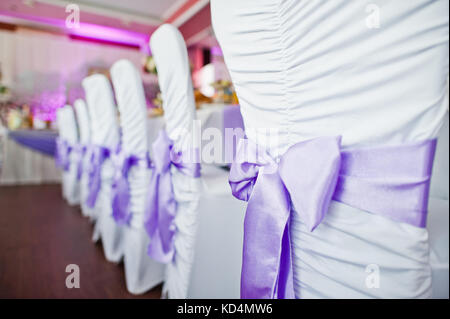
98,155
161,205
81,152
58,152
64,149
392,181
121,188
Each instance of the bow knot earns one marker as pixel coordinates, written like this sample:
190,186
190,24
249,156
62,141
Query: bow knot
162,207
123,163
80,150
162,155
98,155
269,186
63,150
391,181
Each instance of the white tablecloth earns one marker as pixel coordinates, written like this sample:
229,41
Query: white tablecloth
210,116
21,165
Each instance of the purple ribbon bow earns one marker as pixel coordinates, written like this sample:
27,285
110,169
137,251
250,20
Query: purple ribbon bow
121,188
66,151
98,155
58,152
390,181
162,207
63,151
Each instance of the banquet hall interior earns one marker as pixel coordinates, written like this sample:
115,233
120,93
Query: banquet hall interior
121,126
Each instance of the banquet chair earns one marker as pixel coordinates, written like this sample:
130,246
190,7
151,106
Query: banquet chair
85,140
141,272
204,235
349,84
69,133
105,139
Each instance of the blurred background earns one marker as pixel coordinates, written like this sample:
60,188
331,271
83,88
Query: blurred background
46,50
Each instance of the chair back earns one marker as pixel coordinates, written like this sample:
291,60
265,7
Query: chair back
132,108
83,121
174,77
102,111
170,54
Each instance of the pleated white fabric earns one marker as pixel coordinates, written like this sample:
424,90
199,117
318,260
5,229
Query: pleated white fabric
141,272
105,132
304,69
85,140
170,54
69,132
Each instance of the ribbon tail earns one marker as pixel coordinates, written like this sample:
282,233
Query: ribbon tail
80,165
264,240
155,250
94,188
95,180
121,201
285,282
161,215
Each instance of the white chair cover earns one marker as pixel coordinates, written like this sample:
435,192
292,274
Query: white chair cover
374,86
85,140
105,132
215,269
69,132
170,54
141,272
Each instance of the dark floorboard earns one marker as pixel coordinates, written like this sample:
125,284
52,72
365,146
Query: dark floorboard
39,236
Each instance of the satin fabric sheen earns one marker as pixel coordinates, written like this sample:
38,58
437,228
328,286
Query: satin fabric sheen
162,206
121,210
374,86
98,156
309,175
81,152
62,154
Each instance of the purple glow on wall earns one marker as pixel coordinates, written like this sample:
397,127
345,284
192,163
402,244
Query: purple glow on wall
44,105
74,94
98,32
90,31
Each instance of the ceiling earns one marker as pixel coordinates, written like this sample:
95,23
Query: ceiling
150,9
128,22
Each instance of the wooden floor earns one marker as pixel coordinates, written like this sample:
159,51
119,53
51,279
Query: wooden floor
39,236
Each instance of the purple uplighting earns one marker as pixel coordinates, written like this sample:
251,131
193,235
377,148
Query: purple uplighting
96,32
44,105
91,31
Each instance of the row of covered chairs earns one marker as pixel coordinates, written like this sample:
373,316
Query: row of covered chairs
169,221
187,230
